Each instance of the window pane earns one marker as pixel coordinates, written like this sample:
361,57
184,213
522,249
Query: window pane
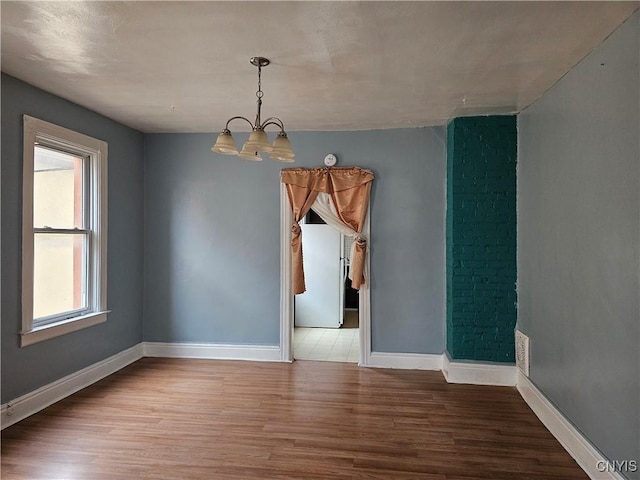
57,189
60,273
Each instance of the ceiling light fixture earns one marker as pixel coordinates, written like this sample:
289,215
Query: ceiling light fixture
258,141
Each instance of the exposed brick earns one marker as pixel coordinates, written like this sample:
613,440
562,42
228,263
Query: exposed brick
481,240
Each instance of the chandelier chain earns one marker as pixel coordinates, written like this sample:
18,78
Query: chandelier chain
259,93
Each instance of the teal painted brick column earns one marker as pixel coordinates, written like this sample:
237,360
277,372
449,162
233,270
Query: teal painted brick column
481,238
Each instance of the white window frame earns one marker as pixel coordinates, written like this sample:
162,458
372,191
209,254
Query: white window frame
47,134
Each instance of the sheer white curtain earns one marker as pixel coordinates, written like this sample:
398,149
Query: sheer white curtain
324,207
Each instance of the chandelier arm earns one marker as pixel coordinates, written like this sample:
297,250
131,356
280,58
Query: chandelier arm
239,118
273,121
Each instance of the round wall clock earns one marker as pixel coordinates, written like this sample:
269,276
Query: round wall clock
330,160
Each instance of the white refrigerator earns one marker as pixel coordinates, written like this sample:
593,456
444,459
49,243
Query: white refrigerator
322,304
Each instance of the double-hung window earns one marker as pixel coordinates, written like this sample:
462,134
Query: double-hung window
64,232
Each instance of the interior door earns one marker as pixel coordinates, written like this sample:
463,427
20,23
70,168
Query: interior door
320,305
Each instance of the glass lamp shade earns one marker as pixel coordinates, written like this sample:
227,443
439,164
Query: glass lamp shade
225,144
248,153
258,141
281,150
281,156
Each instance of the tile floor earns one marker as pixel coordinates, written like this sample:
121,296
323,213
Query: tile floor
326,344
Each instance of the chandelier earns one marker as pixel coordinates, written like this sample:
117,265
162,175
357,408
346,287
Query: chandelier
258,141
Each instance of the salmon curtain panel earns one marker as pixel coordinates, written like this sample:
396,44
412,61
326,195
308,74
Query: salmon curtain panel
349,189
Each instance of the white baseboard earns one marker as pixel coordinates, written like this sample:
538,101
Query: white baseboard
584,453
412,361
478,373
212,351
454,372
26,405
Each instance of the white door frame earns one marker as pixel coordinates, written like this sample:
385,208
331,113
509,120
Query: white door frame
286,298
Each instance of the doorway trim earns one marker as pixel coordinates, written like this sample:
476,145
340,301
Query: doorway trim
286,298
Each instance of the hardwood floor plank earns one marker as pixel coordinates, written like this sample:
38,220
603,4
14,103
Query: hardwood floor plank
168,419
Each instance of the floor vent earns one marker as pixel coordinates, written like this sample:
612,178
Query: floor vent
522,352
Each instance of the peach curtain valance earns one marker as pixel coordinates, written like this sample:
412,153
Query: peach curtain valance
326,179
349,189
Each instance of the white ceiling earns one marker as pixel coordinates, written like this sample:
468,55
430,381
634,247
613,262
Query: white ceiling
184,66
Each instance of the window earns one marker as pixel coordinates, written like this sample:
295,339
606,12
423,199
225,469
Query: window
64,231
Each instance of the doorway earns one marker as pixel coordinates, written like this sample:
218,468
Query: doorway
324,330
287,324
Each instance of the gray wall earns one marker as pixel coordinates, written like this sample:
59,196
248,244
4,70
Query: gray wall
578,241
26,369
212,255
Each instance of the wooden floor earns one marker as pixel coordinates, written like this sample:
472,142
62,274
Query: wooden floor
207,419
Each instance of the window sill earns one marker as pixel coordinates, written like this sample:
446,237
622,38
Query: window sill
45,332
